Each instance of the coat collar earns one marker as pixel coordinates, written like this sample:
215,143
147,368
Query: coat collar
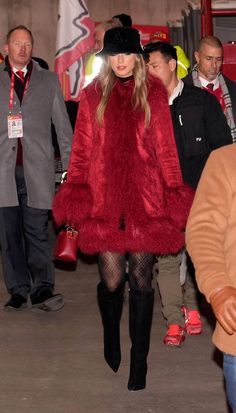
35,78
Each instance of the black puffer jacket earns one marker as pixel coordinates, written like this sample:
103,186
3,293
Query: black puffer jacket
199,126
231,85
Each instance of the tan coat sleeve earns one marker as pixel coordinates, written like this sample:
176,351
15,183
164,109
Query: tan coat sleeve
211,232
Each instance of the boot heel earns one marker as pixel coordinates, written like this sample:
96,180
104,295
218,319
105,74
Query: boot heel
137,378
140,320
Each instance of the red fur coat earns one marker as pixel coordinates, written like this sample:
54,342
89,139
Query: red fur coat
124,188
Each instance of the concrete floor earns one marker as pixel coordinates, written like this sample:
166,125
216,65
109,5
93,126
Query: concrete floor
53,362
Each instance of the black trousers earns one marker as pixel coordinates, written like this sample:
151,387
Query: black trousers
26,253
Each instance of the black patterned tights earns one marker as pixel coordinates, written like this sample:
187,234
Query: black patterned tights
112,270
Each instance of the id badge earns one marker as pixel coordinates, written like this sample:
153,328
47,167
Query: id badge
15,126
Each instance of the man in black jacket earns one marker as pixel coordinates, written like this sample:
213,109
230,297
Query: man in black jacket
199,127
207,74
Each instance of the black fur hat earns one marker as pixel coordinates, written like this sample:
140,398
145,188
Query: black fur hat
121,40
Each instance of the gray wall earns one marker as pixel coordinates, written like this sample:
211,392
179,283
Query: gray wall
41,17
142,11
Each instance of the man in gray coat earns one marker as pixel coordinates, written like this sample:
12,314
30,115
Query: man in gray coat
30,100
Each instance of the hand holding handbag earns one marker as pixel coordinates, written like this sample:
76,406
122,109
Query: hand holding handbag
66,246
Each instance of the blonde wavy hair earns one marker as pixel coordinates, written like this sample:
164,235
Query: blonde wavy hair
107,80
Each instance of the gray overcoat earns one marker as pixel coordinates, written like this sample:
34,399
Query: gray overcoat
42,104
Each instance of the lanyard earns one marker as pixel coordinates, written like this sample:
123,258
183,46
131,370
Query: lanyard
12,85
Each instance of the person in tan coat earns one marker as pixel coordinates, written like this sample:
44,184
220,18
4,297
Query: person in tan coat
211,243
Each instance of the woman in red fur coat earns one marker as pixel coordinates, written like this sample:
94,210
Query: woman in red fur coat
124,190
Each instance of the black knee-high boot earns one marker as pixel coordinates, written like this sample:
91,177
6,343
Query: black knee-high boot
140,320
111,304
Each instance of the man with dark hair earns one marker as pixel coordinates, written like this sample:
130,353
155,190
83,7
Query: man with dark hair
125,19
207,74
30,99
199,127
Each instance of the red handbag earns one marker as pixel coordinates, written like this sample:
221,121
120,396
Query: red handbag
66,246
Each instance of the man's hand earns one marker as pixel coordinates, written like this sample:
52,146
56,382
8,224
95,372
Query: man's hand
223,303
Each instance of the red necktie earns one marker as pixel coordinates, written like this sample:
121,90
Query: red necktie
210,86
20,73
19,158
